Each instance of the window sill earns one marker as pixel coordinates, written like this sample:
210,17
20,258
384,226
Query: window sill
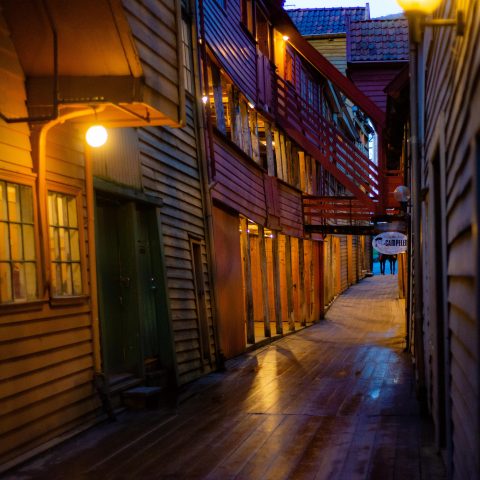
22,306
68,300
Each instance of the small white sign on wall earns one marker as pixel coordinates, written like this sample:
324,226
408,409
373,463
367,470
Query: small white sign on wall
390,243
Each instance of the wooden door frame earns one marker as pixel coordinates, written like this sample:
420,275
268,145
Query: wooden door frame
164,320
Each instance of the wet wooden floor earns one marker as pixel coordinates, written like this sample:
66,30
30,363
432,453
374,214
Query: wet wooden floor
333,401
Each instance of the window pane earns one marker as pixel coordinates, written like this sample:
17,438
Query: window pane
66,279
4,242
72,211
28,243
52,211
5,283
18,280
3,201
64,245
77,279
62,211
74,246
16,243
13,199
27,204
31,280
56,279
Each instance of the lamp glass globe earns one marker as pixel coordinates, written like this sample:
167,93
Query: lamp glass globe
96,136
421,6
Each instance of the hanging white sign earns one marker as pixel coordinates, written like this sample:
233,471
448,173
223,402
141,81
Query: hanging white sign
390,243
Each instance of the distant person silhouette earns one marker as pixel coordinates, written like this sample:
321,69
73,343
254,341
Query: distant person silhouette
392,260
383,261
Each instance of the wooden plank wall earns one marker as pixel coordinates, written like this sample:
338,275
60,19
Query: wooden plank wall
14,138
372,82
343,263
453,130
154,29
170,171
239,182
228,282
291,218
231,44
334,49
118,160
46,354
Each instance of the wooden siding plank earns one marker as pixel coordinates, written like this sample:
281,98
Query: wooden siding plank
45,342
24,365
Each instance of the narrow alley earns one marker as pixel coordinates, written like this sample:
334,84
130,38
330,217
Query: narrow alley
333,401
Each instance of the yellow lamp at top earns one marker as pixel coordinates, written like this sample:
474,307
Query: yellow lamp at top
96,136
419,6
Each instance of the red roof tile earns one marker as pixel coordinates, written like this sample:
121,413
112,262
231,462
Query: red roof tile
378,41
325,21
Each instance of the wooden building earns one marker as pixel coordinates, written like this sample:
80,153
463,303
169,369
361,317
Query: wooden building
377,50
272,105
326,29
449,300
104,278
109,258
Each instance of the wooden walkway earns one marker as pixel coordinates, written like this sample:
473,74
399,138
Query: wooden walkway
333,401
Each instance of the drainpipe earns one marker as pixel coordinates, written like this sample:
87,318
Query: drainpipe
416,115
42,196
202,134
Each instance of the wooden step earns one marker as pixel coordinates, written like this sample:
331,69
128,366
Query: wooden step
142,397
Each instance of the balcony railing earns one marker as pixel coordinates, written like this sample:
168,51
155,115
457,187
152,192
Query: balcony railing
327,144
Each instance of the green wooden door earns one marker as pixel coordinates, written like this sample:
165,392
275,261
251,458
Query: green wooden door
118,289
131,291
148,284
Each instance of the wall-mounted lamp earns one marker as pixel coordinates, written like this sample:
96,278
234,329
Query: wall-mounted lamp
96,136
286,38
204,99
416,10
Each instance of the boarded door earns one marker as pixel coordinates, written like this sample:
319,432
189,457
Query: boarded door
228,283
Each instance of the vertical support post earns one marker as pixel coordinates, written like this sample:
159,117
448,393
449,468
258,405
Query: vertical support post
276,284
92,259
264,273
288,269
301,274
320,247
247,269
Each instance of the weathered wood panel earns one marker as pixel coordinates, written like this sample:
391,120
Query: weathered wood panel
291,219
231,44
228,279
333,49
343,262
170,171
155,32
14,138
239,183
452,131
46,366
118,159
372,82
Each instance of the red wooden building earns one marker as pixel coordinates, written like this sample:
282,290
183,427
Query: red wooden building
286,168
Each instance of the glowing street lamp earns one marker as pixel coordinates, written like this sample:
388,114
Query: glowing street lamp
96,136
419,6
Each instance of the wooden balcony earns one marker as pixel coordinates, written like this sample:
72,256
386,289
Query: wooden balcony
370,188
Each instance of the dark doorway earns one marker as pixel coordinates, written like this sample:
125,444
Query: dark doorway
130,286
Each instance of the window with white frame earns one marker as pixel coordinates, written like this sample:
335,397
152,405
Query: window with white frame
18,268
187,56
65,264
